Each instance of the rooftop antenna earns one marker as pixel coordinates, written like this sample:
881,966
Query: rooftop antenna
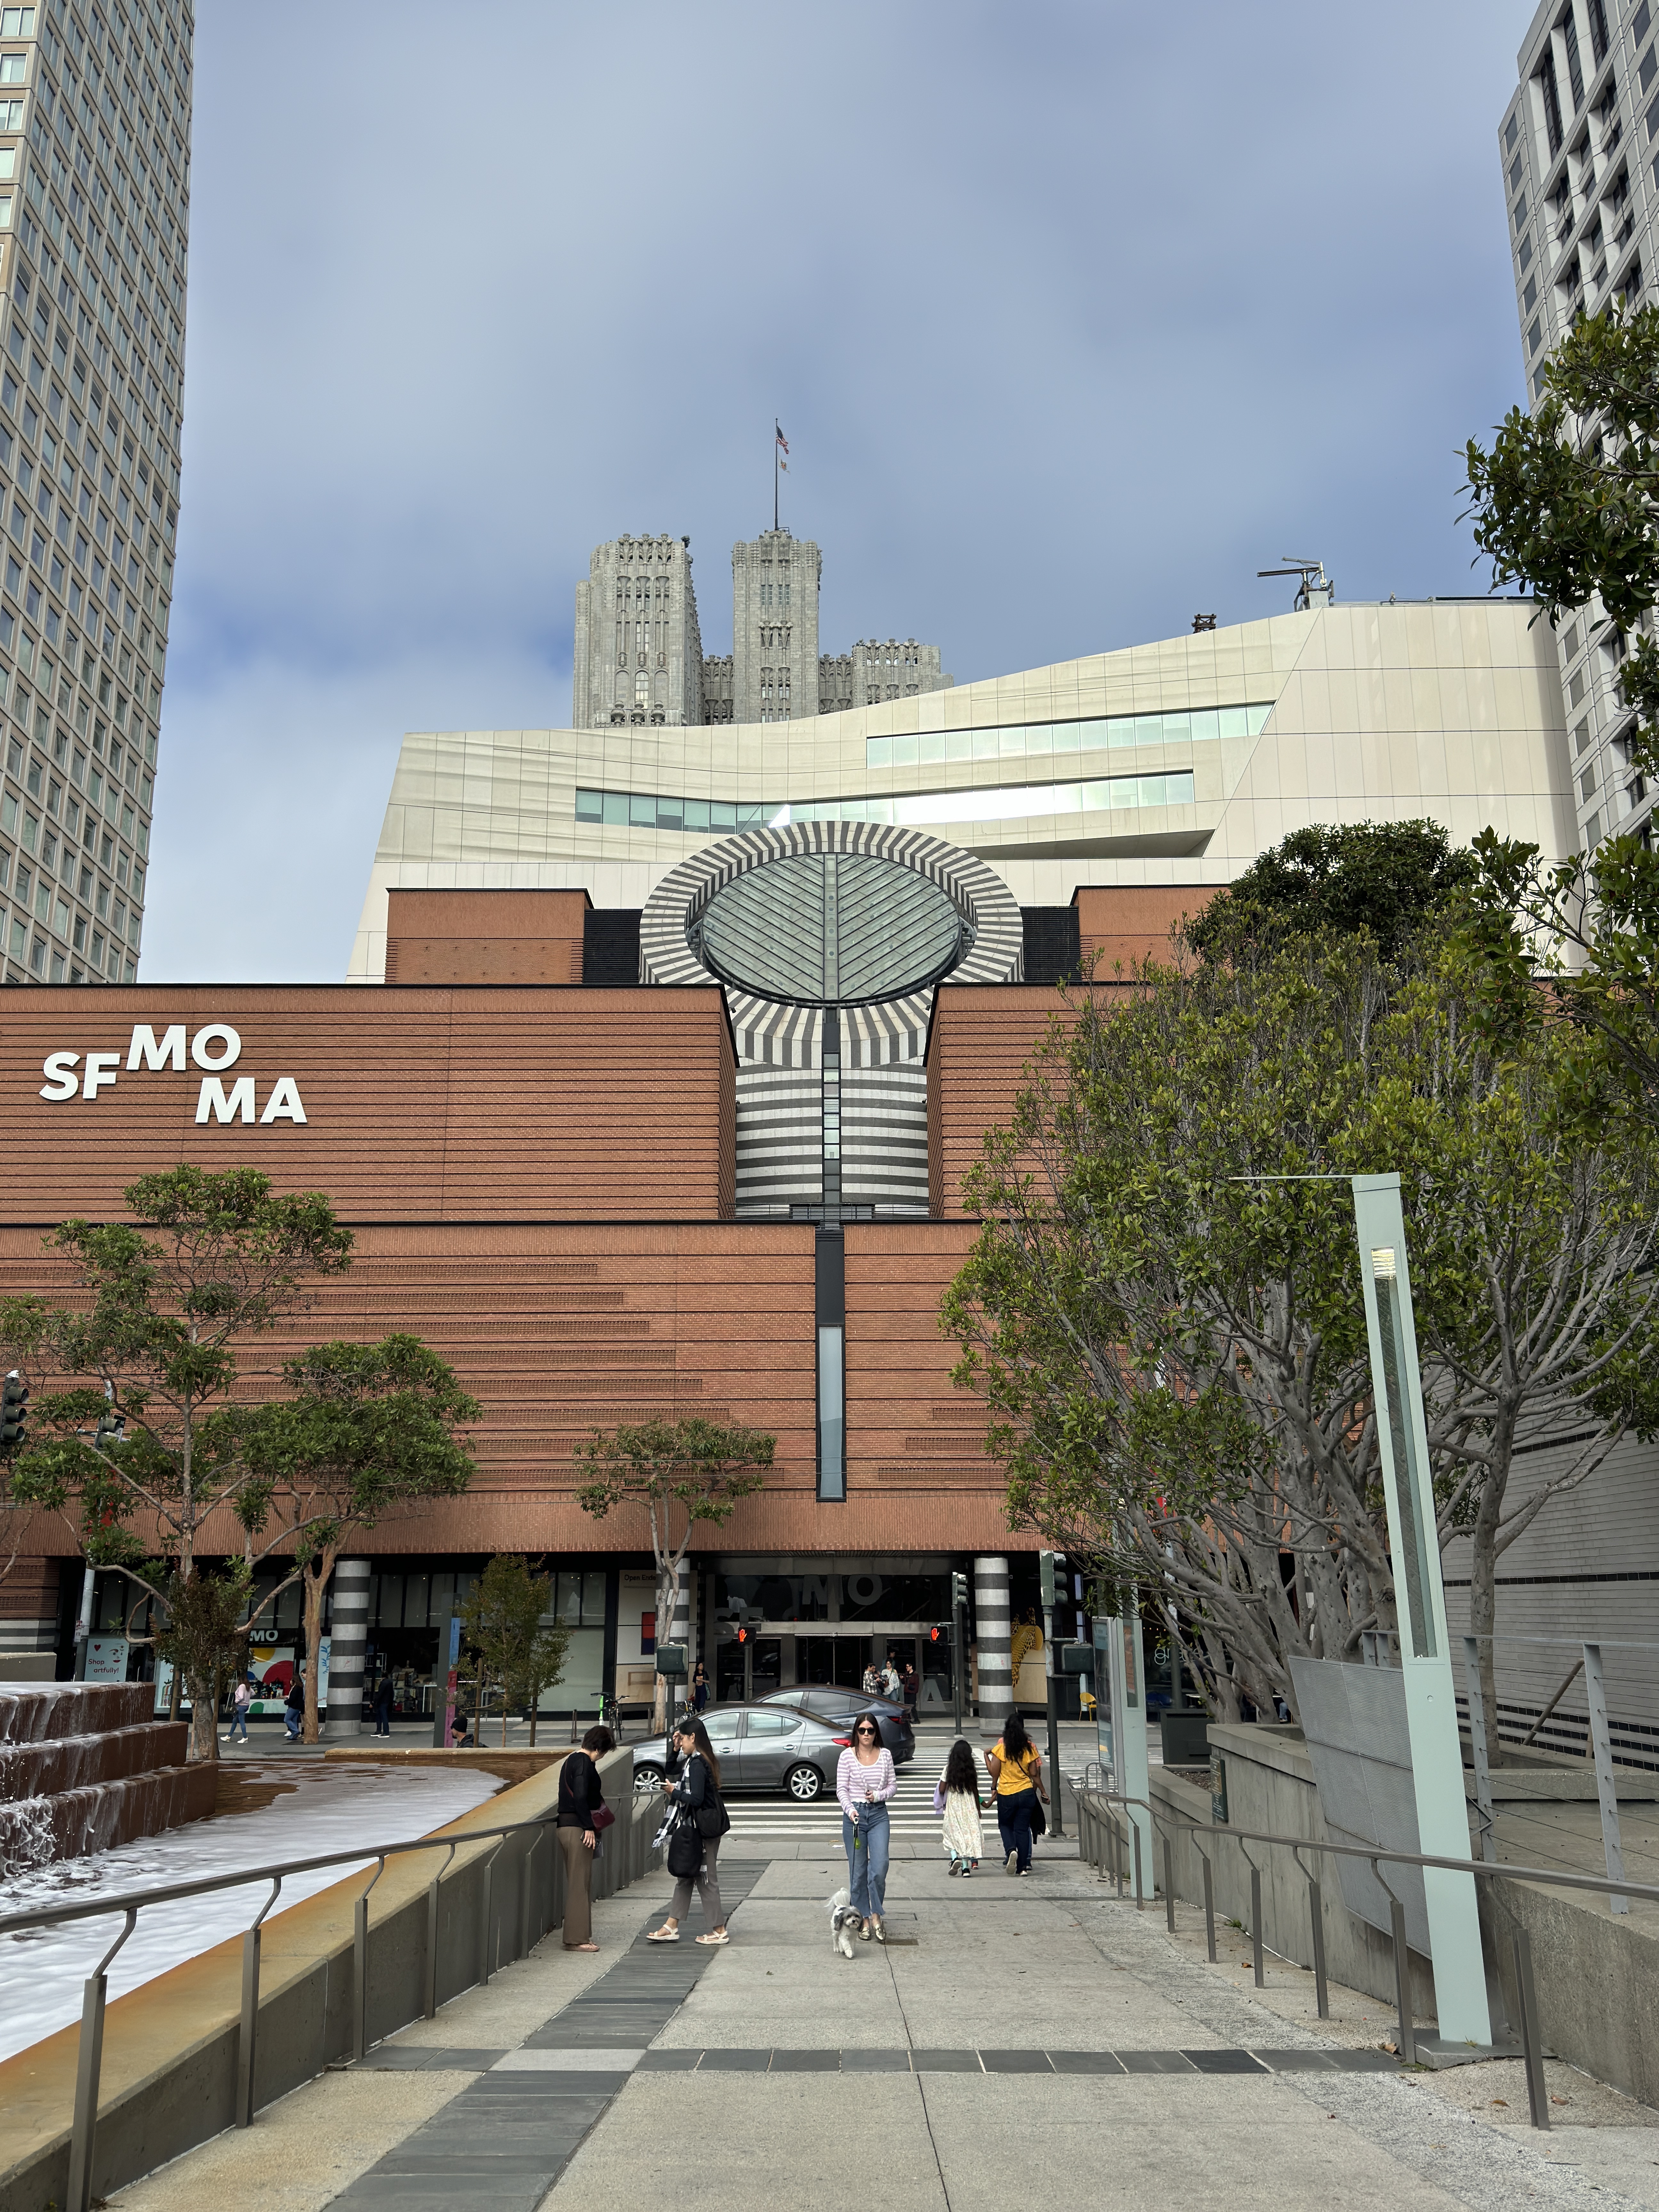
1315,588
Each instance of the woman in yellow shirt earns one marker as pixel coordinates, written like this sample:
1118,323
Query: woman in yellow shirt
1015,1764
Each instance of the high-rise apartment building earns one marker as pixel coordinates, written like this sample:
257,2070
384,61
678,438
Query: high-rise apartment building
638,657
95,199
1579,147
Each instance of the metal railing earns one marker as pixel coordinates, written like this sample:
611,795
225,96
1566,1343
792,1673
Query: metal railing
628,1856
1111,1841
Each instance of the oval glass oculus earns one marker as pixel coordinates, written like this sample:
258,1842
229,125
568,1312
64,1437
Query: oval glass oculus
831,929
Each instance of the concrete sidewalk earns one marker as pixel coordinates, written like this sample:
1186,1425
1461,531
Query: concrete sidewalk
1135,2075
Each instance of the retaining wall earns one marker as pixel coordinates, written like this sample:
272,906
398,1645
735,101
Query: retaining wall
1597,1975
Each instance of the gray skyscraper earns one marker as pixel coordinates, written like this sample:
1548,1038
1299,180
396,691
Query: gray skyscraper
639,653
94,201
1577,145
775,627
638,657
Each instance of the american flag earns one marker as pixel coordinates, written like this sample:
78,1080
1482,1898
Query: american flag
783,444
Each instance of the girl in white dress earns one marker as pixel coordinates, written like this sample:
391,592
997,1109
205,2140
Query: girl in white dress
959,1799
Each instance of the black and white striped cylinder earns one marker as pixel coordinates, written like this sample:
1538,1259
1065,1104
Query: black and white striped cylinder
348,1641
833,932
993,1642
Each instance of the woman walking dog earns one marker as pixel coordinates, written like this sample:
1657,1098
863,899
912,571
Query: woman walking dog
865,1782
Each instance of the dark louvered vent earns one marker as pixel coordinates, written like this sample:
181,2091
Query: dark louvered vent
610,944
1052,947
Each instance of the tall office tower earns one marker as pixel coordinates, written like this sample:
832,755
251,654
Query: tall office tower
774,629
95,203
1579,146
638,649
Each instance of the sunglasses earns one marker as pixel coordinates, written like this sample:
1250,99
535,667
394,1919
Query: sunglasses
865,1731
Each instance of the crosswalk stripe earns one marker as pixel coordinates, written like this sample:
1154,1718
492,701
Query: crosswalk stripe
911,1811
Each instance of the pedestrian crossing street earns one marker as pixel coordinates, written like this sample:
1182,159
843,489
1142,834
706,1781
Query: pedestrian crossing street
777,1819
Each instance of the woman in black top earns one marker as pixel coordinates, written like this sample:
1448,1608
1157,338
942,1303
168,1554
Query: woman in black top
696,1790
580,1794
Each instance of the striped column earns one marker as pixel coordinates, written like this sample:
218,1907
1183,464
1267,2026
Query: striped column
347,1634
992,1622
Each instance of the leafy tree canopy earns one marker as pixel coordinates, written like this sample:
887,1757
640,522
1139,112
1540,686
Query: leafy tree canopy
1566,501
1381,877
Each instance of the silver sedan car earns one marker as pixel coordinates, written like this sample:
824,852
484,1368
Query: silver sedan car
767,1747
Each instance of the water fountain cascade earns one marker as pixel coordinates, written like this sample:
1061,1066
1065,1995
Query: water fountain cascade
84,1766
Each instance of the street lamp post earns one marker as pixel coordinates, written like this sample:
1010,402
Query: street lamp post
1442,1826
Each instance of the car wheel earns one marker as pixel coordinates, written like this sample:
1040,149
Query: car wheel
647,1780
804,1784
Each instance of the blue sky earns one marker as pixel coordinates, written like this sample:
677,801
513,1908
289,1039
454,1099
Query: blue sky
1075,318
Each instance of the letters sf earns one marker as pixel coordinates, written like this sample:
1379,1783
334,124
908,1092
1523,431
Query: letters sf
215,1047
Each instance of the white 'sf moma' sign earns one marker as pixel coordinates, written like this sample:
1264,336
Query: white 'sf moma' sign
216,1048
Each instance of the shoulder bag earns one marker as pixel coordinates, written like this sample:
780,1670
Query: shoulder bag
685,1849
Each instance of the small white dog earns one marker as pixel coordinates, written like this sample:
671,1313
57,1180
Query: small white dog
842,1920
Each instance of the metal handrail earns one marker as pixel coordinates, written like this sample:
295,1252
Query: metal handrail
1521,1941
49,1915
1621,1888
276,1872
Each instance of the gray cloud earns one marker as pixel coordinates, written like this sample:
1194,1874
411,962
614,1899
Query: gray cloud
1075,318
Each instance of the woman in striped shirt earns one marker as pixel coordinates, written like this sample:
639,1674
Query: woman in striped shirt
864,1781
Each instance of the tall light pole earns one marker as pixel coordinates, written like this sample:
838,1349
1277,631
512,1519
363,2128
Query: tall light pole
1442,1823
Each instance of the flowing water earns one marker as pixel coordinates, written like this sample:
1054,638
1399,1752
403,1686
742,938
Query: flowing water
331,1806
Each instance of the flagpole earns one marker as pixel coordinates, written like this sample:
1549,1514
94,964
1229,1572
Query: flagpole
774,482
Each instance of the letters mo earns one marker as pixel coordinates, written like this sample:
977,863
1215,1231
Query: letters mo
216,1048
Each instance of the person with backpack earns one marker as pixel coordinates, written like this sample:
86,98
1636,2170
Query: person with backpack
693,1842
294,1705
581,1803
1016,1765
957,1797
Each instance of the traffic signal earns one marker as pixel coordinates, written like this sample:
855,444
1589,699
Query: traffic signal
936,1634
1047,1563
14,1409
958,1589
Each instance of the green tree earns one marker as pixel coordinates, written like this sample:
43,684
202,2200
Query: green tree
368,1429
682,1473
1384,878
132,1453
1566,503
504,1617
203,1636
1173,1340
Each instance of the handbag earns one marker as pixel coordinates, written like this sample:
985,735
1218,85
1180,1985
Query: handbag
1039,1818
601,1818
938,1797
712,1818
684,1851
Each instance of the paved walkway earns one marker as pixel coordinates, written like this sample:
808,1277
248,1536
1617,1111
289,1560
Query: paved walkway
1039,2029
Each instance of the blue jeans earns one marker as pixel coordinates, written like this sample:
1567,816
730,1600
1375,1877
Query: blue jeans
868,1846
238,1723
1014,1826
